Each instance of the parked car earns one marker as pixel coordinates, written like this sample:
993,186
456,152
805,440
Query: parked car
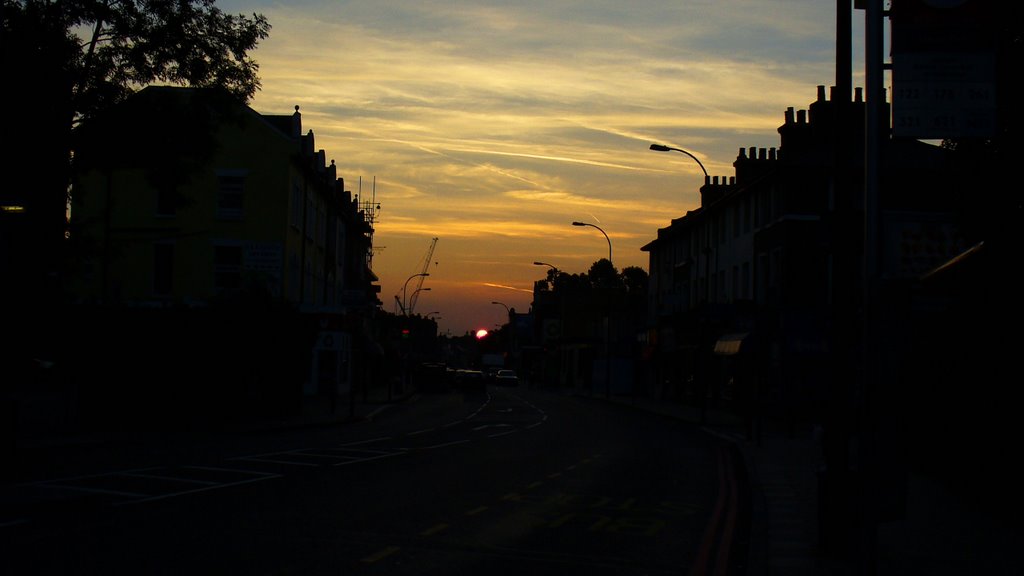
506,377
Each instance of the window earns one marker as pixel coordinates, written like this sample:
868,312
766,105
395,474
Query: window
166,201
746,280
735,283
163,269
227,268
762,278
775,283
296,205
735,209
339,249
309,284
294,277
747,202
229,198
310,218
321,228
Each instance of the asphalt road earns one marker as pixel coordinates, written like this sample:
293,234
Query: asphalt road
504,481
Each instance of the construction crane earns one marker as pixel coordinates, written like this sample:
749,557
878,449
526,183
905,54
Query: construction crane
422,275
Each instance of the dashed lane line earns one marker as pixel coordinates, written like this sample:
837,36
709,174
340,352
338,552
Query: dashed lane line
380,554
434,529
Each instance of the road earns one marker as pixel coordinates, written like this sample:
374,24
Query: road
502,481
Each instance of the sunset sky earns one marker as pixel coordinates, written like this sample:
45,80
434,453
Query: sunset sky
493,125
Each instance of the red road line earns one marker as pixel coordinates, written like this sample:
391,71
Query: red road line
722,526
722,565
700,564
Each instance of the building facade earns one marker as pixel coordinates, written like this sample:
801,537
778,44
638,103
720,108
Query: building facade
755,297
196,205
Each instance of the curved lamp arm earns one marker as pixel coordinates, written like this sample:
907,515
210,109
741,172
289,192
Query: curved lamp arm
663,148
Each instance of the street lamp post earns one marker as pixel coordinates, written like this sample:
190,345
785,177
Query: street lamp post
552,272
405,309
508,310
607,320
602,232
663,148
415,292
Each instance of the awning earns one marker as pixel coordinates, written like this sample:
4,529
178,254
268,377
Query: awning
729,344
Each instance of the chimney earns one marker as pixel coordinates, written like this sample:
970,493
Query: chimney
296,123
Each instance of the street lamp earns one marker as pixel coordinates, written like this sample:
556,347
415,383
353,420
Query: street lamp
405,286
417,291
552,273
507,310
602,232
608,322
663,148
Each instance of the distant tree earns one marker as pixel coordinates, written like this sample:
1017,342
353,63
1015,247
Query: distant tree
66,60
603,274
634,279
565,283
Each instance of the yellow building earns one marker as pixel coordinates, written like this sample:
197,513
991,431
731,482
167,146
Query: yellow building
217,240
188,198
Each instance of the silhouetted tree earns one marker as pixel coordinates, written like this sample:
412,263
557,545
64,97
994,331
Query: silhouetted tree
66,60
603,274
634,279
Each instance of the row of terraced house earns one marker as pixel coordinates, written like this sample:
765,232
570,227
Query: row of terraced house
756,295
222,255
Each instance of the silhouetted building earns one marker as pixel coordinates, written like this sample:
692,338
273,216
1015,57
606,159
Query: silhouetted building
192,203
757,297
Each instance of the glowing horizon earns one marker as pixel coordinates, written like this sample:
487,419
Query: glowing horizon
493,126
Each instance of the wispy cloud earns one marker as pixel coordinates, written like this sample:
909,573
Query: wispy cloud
493,125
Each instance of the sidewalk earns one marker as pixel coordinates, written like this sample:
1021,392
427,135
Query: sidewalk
938,534
782,469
